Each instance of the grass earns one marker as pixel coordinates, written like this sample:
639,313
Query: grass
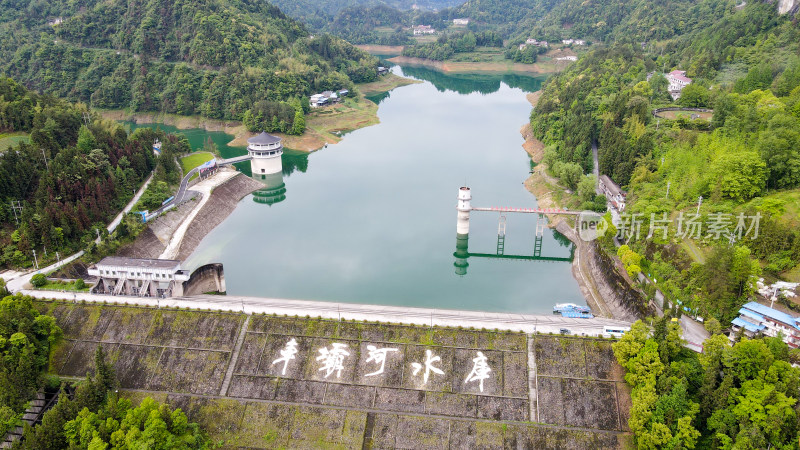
385,83
62,286
194,160
8,140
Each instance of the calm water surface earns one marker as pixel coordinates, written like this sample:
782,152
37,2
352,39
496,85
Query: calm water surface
372,219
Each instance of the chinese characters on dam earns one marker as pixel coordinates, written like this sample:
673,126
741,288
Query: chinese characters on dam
332,361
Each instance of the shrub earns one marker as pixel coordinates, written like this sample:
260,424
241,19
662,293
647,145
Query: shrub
38,280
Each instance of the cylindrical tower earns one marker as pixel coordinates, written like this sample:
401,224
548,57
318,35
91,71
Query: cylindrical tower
266,151
464,207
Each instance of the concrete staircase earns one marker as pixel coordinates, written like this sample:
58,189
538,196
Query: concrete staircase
32,416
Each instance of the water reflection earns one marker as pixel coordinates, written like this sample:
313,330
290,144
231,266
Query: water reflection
464,83
274,190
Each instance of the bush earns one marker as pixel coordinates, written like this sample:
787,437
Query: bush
80,284
38,280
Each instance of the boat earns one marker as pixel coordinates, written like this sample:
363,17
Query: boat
561,307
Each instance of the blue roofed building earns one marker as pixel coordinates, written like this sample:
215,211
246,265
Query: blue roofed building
756,318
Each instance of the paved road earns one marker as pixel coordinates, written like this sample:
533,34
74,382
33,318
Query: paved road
19,282
596,169
529,323
114,223
183,190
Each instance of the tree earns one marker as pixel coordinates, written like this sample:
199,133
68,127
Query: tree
299,123
712,325
26,338
739,176
38,280
694,96
80,284
150,425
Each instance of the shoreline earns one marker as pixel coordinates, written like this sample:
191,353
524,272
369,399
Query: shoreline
549,194
538,68
324,126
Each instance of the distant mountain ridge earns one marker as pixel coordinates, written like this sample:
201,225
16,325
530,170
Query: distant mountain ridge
209,57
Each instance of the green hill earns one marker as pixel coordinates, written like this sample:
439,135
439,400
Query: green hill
209,57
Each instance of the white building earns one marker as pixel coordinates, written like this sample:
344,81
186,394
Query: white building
266,151
423,29
573,41
531,41
140,277
756,318
460,21
677,81
567,58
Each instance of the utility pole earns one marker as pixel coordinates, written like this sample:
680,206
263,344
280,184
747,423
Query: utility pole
46,166
86,117
35,261
16,207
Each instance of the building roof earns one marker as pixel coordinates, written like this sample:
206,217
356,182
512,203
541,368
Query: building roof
680,75
263,139
771,313
751,314
751,327
139,263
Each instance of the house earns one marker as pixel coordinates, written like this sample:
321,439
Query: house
522,46
677,81
382,70
55,21
755,318
614,194
460,21
139,277
567,58
423,29
532,41
318,100
327,97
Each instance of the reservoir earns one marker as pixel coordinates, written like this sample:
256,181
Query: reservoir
372,219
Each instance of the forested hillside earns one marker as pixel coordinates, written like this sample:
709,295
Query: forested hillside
320,14
746,159
209,57
70,179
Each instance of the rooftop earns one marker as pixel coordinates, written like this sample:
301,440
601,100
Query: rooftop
263,139
139,263
680,75
751,327
771,313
